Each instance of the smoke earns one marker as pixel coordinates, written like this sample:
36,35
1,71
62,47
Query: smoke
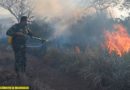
58,8
62,14
65,17
49,8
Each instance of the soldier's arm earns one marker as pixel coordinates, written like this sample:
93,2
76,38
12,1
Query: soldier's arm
30,33
11,30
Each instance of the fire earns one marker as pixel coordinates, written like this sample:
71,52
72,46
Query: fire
118,41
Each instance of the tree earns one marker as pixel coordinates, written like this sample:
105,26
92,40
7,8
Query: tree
104,4
18,8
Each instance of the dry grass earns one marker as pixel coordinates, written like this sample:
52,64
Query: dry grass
93,69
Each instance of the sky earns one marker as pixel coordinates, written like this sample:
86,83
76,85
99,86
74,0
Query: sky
3,12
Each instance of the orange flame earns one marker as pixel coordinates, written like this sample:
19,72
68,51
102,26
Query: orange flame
118,41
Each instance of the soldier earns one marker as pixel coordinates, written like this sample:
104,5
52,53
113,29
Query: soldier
18,32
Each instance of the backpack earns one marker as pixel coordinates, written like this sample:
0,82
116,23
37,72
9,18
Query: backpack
10,40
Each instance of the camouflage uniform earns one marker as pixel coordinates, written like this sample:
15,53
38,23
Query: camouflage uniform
18,45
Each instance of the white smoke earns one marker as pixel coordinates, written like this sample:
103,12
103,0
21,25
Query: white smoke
62,13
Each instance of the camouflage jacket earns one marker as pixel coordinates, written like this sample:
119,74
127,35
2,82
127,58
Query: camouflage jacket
19,28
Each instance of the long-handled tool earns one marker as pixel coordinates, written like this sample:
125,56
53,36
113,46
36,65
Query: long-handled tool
42,40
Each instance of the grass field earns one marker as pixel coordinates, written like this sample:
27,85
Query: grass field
93,69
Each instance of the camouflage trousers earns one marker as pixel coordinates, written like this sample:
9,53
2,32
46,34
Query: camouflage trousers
20,58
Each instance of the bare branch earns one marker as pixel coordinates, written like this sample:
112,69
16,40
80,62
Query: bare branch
17,8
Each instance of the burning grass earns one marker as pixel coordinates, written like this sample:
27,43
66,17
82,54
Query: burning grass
118,41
